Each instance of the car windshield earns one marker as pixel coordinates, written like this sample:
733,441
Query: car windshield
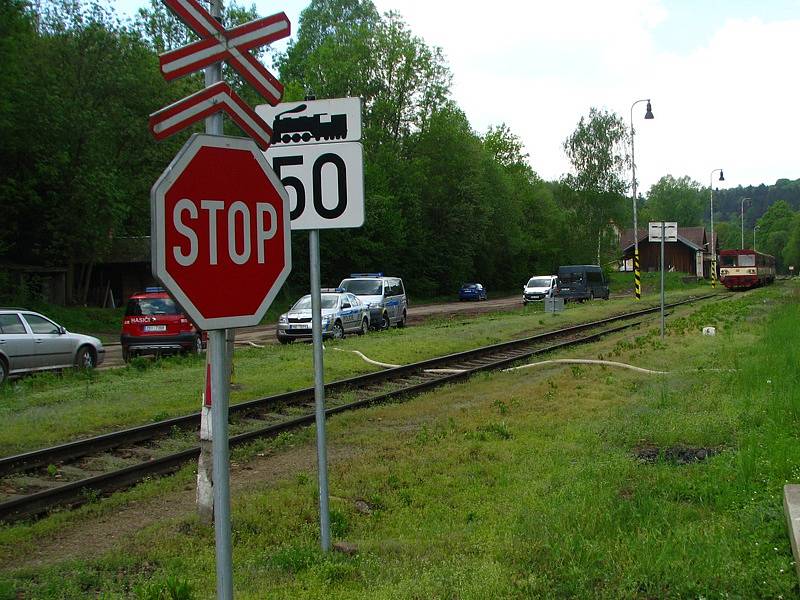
472,286
363,287
539,282
151,306
572,277
328,301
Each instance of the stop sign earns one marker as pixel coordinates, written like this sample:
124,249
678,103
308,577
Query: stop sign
220,231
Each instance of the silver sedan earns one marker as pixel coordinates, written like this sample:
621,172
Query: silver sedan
29,342
342,313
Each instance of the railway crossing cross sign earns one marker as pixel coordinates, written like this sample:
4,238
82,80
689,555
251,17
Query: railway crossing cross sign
221,238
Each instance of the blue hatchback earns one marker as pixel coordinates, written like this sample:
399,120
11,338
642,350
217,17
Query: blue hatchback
472,291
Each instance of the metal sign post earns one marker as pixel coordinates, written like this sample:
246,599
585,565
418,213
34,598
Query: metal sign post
662,232
315,152
220,290
319,389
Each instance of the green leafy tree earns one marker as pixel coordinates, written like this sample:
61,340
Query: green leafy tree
774,229
598,151
791,253
79,167
682,200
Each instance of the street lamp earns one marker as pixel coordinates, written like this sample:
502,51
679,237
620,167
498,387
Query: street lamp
713,245
743,199
637,278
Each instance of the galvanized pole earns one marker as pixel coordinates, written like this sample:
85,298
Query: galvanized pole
662,279
220,374
637,277
319,389
220,359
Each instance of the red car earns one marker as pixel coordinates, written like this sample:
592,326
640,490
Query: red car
155,323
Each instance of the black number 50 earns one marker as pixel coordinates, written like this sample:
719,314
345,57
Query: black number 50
316,184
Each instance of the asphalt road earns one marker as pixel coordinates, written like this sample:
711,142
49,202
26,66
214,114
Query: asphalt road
265,334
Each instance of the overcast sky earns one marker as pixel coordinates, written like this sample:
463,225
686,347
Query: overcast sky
722,76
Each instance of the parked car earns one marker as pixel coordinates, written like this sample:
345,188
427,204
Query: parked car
582,282
539,287
155,323
342,312
384,296
29,342
472,291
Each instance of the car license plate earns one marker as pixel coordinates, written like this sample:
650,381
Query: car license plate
155,327
301,326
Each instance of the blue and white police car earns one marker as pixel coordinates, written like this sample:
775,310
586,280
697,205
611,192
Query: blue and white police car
342,312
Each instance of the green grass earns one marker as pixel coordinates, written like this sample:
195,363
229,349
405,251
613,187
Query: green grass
651,283
48,409
524,485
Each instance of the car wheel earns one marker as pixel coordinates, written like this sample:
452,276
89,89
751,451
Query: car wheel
338,331
284,341
85,358
3,371
364,327
402,322
197,347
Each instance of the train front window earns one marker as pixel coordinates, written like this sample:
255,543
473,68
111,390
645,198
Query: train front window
728,260
747,260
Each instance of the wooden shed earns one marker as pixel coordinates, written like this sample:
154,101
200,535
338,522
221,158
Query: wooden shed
690,254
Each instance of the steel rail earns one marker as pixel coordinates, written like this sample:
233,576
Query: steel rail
79,492
76,449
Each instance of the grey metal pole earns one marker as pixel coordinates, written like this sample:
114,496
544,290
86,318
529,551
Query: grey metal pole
220,375
319,389
743,199
662,279
220,381
637,277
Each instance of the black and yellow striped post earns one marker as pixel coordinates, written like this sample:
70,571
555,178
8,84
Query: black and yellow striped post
713,273
637,276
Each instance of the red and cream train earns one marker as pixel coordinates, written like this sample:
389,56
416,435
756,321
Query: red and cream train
745,269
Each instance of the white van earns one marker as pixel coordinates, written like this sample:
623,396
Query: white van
539,287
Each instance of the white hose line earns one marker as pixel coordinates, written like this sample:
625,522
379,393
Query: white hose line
369,360
586,361
391,366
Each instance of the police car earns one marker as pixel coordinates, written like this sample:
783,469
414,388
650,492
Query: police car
384,296
342,312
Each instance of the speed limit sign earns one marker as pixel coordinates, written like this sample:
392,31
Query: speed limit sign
317,156
325,183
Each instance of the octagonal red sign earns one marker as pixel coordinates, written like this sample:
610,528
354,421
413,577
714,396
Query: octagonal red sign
221,231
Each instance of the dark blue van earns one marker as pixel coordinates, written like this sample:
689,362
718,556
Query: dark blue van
582,282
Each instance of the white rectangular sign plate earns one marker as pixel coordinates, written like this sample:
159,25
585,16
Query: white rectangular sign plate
313,121
670,232
325,183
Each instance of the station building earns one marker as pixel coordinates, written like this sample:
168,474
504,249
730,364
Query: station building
691,254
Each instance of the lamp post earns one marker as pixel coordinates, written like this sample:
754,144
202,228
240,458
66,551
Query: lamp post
755,227
637,277
713,245
743,199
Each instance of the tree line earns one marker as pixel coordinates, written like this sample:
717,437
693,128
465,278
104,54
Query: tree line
444,204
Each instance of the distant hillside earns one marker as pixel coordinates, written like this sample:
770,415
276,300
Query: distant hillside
727,202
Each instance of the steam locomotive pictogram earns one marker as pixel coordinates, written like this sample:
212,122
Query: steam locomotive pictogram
295,129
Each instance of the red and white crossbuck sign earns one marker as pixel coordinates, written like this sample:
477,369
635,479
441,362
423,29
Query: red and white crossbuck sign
217,44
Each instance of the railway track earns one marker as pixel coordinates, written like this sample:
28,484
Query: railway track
70,474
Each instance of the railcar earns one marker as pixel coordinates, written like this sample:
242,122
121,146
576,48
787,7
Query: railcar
745,269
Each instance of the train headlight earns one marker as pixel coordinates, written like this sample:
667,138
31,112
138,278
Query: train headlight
751,271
